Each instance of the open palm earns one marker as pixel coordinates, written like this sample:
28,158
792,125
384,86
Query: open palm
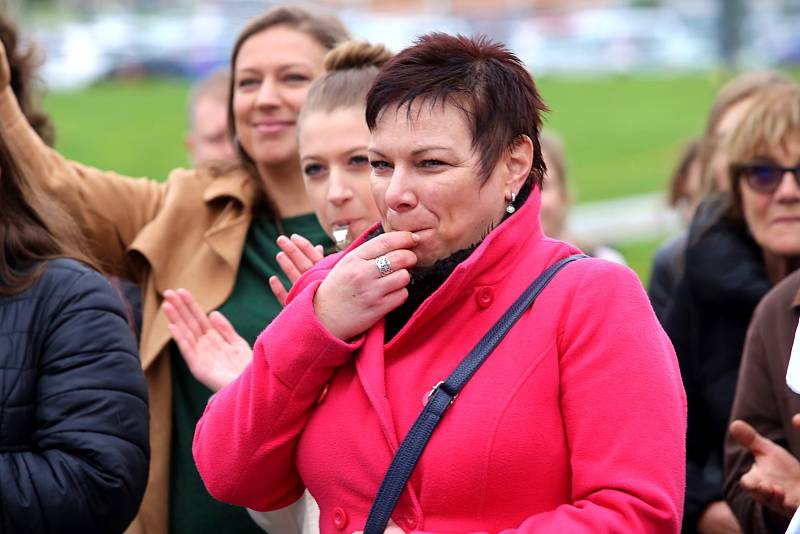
215,354
774,478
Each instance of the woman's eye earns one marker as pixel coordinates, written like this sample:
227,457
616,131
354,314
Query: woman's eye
379,165
431,163
296,78
313,169
246,82
358,161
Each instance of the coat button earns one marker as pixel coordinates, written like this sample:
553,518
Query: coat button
411,518
339,518
484,297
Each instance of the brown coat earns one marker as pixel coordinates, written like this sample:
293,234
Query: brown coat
187,232
762,397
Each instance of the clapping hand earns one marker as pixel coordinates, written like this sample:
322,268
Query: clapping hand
297,255
215,354
774,478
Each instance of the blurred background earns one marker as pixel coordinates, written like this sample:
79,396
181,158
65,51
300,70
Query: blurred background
627,82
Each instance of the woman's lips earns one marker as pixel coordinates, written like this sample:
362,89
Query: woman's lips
786,220
273,127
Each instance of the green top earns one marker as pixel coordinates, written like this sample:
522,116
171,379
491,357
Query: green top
250,308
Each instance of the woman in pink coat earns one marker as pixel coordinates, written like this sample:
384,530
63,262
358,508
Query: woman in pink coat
575,422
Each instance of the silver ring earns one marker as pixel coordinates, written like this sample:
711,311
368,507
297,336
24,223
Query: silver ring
384,265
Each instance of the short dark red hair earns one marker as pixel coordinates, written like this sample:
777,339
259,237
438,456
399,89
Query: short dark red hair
479,76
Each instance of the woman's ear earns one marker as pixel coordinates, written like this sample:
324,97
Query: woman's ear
519,160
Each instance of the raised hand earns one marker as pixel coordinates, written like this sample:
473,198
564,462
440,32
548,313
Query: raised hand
774,479
297,255
357,292
215,354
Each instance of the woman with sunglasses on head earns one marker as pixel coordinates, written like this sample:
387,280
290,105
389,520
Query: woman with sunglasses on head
211,230
574,422
741,243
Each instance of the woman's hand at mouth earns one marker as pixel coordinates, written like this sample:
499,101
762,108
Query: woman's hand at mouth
366,284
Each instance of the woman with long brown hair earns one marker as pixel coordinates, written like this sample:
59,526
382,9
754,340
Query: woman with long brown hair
73,400
210,230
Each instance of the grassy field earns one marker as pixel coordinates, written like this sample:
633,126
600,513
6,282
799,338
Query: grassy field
622,134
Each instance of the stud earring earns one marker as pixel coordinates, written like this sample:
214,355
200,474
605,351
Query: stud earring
510,206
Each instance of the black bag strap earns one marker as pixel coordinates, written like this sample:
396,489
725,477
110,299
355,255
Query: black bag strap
442,397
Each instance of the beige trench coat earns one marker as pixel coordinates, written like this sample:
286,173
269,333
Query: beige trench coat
187,232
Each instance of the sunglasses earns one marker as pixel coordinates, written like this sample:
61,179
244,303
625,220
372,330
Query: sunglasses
764,177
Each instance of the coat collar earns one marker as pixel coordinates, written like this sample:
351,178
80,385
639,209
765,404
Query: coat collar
238,185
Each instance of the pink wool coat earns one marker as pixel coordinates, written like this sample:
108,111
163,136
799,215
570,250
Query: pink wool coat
575,423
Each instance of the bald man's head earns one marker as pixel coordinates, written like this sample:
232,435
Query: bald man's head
208,138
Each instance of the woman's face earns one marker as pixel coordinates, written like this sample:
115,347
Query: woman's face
425,179
272,74
774,219
333,158
553,212
719,162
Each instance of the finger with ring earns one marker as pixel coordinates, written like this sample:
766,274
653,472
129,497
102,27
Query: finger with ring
384,265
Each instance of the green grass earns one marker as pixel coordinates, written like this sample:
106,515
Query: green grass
135,128
622,134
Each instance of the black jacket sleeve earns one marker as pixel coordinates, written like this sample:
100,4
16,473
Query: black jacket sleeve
86,467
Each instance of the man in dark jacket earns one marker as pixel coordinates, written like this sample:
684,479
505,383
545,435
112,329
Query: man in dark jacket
73,407
764,401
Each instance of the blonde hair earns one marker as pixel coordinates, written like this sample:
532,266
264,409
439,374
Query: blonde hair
736,90
352,67
772,118
554,148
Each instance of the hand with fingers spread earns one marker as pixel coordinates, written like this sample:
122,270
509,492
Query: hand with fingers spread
215,354
774,479
296,257
366,284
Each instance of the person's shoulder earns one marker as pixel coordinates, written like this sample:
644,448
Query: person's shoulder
598,282
780,299
62,272
66,277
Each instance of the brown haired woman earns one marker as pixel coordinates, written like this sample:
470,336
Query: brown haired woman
211,231
575,421
74,446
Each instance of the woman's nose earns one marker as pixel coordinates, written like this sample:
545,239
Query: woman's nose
268,94
339,190
789,188
399,194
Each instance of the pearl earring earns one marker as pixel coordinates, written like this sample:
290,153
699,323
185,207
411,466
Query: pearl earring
510,206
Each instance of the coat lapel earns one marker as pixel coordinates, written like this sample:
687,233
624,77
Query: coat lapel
203,260
371,373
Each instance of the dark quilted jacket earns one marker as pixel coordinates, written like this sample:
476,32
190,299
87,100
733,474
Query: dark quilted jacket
73,407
